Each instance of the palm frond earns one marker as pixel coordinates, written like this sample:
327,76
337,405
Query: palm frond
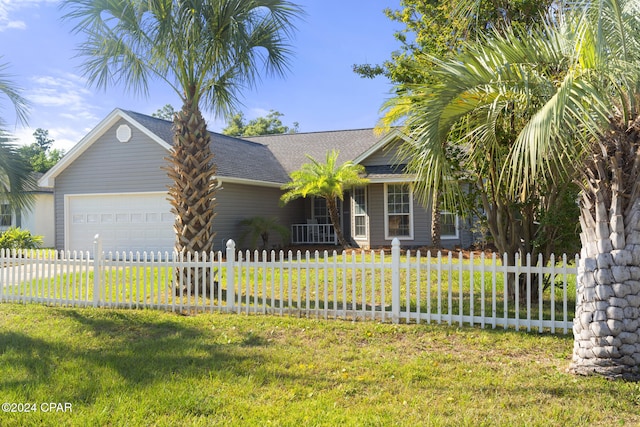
9,89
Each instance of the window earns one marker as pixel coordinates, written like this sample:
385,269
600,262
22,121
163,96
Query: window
398,211
320,213
359,198
448,225
5,215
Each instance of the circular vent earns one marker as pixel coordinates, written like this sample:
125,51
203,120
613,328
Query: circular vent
123,133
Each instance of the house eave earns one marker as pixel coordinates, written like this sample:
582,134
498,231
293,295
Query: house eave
245,181
394,134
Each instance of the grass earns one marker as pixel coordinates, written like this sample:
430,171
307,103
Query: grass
145,367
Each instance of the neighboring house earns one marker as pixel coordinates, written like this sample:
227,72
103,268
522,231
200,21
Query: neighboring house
38,219
112,183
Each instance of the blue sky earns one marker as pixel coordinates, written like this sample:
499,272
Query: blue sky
321,92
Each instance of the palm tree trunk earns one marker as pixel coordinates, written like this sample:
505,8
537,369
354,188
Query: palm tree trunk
436,241
607,320
334,216
192,194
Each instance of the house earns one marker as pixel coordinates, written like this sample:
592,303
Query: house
112,183
38,218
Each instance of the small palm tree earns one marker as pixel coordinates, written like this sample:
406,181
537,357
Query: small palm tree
259,226
327,180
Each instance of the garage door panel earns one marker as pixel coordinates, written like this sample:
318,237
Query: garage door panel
125,222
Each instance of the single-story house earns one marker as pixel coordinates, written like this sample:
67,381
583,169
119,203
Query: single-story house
38,218
112,184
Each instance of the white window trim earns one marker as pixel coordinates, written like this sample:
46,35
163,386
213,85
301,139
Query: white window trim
387,236
456,224
366,216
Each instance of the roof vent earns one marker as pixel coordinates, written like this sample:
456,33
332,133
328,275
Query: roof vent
123,133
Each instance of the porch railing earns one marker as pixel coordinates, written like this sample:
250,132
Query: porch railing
313,234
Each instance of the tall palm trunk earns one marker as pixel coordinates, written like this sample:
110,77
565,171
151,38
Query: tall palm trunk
192,195
607,319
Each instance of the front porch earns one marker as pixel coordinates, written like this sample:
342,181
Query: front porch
313,234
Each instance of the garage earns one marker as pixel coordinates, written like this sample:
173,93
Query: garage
135,222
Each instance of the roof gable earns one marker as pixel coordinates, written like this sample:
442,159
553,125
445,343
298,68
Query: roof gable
48,179
234,158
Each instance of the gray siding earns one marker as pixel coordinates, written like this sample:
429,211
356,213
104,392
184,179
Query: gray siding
110,166
387,155
236,202
421,224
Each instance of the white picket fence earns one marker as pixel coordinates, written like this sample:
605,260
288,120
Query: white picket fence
384,286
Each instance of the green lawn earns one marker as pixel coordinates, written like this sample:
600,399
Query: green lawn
146,367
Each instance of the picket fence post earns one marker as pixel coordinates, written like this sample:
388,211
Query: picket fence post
395,280
97,269
231,274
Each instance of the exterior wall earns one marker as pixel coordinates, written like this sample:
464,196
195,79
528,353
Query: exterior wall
387,155
235,202
39,220
421,224
110,166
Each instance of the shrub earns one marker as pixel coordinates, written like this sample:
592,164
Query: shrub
16,238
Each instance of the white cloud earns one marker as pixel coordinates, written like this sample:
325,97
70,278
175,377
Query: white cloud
12,25
9,8
61,104
62,91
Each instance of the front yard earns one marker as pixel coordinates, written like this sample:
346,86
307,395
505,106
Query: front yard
147,367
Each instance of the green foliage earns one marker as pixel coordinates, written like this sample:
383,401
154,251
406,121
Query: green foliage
438,28
16,238
269,125
559,230
15,180
42,139
261,227
207,51
327,180
39,155
166,113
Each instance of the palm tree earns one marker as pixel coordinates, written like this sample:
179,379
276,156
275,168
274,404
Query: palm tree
566,97
207,51
259,226
327,180
15,178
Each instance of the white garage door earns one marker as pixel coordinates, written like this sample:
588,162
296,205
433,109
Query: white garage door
126,222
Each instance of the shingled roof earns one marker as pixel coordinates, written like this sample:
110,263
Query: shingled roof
292,149
271,158
234,157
